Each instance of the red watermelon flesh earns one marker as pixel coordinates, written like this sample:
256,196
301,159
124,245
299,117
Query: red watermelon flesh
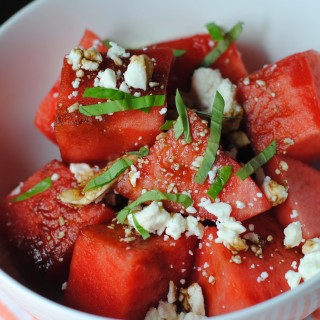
282,102
118,278
83,138
46,113
303,201
169,167
45,229
228,286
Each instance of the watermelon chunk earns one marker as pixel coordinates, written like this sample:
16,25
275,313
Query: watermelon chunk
46,113
83,138
282,102
197,47
43,228
118,276
228,286
171,167
303,200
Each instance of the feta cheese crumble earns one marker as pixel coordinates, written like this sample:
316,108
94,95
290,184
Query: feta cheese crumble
155,219
106,79
205,83
293,235
275,193
139,72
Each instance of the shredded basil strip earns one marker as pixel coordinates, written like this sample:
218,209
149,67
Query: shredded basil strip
182,124
107,43
106,93
214,139
154,195
144,233
222,45
40,187
223,175
258,161
215,31
123,105
167,125
113,172
143,152
178,53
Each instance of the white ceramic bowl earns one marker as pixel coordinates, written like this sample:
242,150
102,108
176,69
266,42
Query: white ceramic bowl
33,43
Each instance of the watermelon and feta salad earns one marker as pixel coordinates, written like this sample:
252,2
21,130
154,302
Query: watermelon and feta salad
184,188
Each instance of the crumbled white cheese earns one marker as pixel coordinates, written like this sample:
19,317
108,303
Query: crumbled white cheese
116,52
163,111
84,59
221,210
124,87
55,177
74,107
196,163
81,171
167,310
17,189
311,245
263,276
172,294
294,214
106,79
76,83
204,85
139,72
190,298
275,193
293,278
134,174
176,226
229,234
195,299
153,218
309,265
293,235
194,227
240,204
74,58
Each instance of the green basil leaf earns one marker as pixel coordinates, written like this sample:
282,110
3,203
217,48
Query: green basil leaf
154,195
167,125
223,175
214,139
106,93
143,152
215,31
182,123
40,187
144,233
178,53
106,177
222,46
123,105
258,161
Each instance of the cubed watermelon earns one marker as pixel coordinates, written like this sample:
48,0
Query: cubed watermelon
196,48
232,281
303,201
46,113
83,138
42,227
172,165
282,102
120,276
